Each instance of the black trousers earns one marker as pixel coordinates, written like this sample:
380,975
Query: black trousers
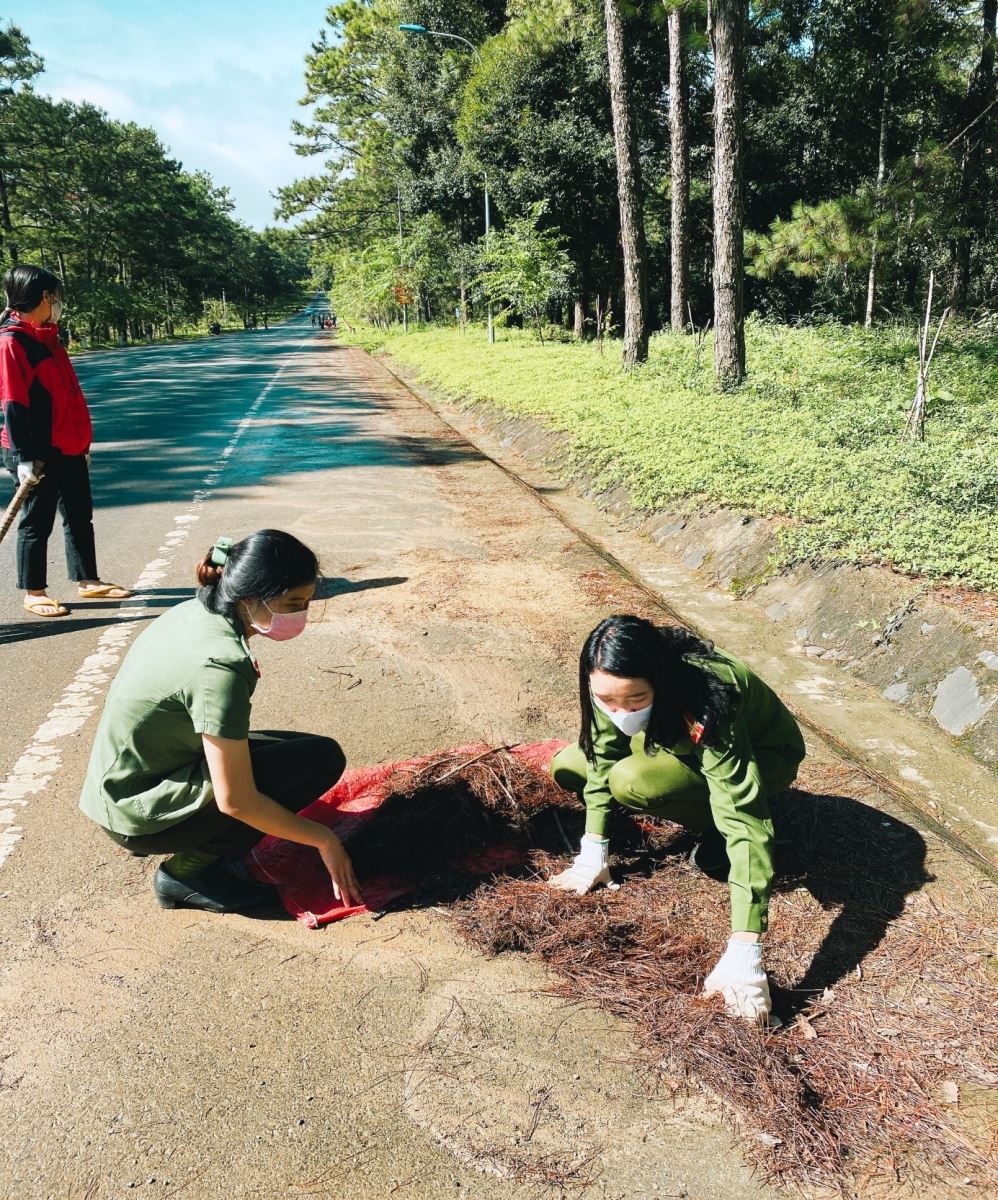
294,769
64,488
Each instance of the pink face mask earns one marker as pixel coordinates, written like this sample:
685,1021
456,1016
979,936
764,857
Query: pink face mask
283,626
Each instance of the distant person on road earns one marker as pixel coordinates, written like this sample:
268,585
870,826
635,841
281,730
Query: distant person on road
673,727
312,319
46,437
175,768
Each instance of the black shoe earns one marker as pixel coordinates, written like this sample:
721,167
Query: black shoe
214,889
710,856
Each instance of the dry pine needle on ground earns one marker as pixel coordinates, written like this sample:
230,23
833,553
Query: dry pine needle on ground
887,1062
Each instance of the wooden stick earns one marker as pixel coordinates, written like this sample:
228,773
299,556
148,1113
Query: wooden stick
915,424
15,506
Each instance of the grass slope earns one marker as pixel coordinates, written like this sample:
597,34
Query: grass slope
813,436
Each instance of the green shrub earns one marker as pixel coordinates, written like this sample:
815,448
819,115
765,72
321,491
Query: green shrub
814,435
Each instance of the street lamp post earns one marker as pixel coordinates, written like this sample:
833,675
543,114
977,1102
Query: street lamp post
405,306
422,31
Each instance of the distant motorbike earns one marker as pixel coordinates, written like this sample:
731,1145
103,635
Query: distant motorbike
214,329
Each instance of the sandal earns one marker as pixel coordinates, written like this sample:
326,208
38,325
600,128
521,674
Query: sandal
35,604
103,591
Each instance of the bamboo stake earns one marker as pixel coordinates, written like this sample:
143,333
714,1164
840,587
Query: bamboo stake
915,425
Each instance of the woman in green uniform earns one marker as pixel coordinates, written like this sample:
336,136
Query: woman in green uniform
673,727
174,767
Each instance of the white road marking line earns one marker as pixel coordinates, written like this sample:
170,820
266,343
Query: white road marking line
35,768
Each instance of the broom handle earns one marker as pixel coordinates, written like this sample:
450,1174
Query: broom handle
15,505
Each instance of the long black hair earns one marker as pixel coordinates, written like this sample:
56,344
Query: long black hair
671,659
260,567
25,287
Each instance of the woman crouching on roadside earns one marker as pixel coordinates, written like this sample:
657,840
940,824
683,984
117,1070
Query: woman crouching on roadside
174,767
673,727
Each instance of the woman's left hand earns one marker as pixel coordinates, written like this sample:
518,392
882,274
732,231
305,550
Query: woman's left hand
338,864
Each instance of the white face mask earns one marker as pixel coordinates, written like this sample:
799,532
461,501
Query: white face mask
629,723
56,311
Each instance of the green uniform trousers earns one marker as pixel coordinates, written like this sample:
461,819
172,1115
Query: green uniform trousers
663,785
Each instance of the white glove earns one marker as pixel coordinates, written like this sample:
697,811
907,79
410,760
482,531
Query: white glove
26,471
589,867
742,982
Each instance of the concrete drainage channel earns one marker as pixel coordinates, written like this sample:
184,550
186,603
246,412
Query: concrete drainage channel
951,792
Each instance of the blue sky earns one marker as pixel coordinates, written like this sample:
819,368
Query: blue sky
218,80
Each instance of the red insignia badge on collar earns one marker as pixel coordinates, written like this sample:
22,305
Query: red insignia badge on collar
694,728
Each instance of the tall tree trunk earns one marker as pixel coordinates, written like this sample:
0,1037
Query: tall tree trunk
5,222
678,133
727,24
632,234
978,144
871,279
579,315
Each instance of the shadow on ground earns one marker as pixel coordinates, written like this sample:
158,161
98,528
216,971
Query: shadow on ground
329,587
850,857
142,452
30,630
855,860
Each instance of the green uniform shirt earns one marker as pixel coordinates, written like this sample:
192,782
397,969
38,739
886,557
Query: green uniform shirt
762,727
190,673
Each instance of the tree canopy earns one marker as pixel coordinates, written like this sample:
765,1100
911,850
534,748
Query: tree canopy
139,242
869,130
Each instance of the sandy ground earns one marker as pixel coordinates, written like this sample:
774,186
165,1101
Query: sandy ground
156,1053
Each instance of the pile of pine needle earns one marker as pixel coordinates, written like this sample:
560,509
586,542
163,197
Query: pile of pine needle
439,814
886,1064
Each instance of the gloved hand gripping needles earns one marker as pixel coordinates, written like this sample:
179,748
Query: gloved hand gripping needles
739,977
589,867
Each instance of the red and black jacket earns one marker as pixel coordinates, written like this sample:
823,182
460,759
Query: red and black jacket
44,409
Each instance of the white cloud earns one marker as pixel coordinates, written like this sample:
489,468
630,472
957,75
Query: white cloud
94,91
219,82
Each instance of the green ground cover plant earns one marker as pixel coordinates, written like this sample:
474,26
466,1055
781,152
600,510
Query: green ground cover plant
814,436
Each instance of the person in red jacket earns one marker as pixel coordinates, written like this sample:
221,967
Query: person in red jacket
46,437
